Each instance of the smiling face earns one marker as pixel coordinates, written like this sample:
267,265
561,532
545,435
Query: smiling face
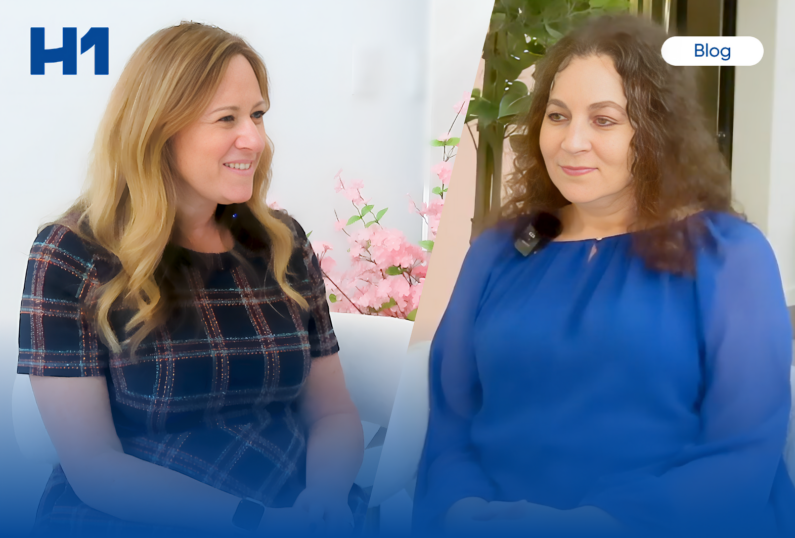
216,155
586,133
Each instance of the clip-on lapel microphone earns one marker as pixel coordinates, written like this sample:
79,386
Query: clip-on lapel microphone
534,231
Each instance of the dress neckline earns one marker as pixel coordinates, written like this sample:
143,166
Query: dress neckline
625,234
591,239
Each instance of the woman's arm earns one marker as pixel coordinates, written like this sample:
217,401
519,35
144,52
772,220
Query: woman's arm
451,481
76,413
733,477
335,441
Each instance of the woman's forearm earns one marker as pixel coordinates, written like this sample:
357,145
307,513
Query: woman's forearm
133,489
335,448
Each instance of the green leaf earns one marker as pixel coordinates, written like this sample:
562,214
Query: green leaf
516,100
332,298
381,213
411,315
508,109
353,219
307,235
616,5
485,111
366,209
394,270
497,19
437,190
427,245
453,141
370,223
389,304
554,33
437,143
507,68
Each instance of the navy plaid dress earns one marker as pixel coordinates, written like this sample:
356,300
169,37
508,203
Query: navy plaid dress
211,393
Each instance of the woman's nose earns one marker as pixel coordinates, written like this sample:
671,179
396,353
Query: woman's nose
250,137
577,137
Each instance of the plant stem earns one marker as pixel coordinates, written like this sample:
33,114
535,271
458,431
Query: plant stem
472,135
340,290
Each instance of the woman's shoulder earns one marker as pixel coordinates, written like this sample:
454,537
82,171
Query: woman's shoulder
299,233
733,242
492,247
60,265
60,243
731,231
496,237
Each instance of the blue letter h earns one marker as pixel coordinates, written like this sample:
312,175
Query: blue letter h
67,54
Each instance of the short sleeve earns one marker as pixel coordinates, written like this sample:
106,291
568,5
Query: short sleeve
56,337
322,340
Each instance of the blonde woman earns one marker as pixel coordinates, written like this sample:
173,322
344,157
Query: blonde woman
175,329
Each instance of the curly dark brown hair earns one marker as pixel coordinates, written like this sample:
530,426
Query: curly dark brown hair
677,168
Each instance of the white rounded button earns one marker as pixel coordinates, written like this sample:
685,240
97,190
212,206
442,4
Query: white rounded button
688,50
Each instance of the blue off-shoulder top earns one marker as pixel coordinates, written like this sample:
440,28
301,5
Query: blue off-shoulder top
579,377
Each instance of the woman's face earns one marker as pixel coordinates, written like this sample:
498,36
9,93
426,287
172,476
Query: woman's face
216,155
586,133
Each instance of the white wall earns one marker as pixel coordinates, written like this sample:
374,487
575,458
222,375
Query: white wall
455,43
781,211
354,83
763,163
322,118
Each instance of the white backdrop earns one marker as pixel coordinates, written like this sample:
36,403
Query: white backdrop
357,85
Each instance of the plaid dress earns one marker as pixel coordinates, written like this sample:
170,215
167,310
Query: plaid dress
211,393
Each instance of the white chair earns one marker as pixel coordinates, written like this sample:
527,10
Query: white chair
789,449
393,489
372,352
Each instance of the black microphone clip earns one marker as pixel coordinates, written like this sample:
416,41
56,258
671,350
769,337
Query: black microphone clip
534,231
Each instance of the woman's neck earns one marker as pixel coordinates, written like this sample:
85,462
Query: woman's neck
595,220
201,232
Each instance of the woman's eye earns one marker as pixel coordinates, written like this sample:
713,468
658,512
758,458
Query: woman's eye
258,114
603,122
227,118
555,116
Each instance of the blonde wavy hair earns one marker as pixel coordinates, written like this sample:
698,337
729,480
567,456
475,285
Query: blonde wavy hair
128,204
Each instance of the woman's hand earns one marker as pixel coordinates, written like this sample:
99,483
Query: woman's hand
334,445
282,522
326,513
477,516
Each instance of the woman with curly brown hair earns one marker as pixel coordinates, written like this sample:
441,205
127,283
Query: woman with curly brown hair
615,356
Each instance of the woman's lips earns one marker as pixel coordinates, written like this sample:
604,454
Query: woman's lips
576,170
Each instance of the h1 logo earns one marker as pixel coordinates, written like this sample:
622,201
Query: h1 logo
96,38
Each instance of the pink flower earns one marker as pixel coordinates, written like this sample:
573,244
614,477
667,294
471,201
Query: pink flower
356,184
444,137
338,184
321,247
339,225
356,249
327,264
461,106
353,195
414,296
443,170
